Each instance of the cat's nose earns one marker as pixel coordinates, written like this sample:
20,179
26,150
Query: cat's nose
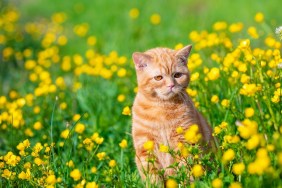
170,86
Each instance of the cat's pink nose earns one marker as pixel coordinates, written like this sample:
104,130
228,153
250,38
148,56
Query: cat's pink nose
171,86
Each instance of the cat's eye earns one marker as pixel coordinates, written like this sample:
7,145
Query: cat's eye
158,78
177,75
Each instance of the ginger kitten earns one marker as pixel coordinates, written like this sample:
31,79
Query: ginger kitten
161,105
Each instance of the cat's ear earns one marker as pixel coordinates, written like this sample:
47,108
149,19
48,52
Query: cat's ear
140,60
183,54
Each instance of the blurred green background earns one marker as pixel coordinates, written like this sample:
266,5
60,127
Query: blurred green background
109,21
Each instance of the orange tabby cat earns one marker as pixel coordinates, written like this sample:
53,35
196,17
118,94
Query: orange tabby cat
161,105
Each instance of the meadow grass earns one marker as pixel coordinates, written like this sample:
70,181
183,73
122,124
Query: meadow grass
68,82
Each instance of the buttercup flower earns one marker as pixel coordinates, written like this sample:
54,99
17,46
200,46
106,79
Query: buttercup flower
75,174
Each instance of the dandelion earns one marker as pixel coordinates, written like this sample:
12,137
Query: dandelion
91,185
192,135
163,148
249,112
112,163
179,130
259,17
149,145
217,183
214,74
121,73
217,26
279,157
51,179
171,183
123,144
121,98
75,174
94,170
126,111
91,41
228,155
134,13
65,133
235,185
197,170
214,99
225,103
101,155
253,142
238,168
37,125
6,174
155,19
79,128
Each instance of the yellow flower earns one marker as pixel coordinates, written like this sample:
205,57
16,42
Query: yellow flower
91,185
192,135
217,26
235,27
253,32
11,159
197,170
6,173
238,168
235,185
21,175
37,125
259,17
253,142
244,78
214,99
65,133
213,74
149,145
279,157
101,155
112,163
126,111
121,98
81,29
195,76
225,103
94,170
123,144
249,112
51,179
75,174
121,72
179,130
217,130
163,148
79,128
91,41
134,13
36,109
155,19
76,117
228,155
249,89
171,183
70,163
248,128
38,161
217,183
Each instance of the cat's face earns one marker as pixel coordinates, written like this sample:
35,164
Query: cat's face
162,73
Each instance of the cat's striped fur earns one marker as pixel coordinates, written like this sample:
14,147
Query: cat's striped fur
162,104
